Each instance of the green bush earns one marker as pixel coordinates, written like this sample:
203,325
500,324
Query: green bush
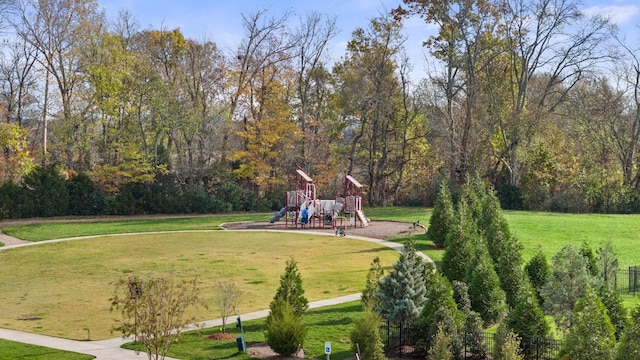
12,201
284,331
46,193
367,338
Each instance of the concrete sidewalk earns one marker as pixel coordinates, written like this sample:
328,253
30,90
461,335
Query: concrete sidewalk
110,349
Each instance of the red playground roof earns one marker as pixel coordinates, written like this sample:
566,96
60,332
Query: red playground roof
354,181
304,176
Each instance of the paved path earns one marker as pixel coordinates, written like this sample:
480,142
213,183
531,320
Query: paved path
110,349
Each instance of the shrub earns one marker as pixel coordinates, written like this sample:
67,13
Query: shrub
284,331
366,337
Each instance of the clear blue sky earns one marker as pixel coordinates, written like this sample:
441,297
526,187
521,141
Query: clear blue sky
220,20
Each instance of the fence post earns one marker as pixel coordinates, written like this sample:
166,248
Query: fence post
400,342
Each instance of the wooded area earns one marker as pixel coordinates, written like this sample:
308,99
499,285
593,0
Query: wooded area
535,97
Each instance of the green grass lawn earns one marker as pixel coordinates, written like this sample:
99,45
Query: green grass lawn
11,350
54,281
333,323
63,289
74,228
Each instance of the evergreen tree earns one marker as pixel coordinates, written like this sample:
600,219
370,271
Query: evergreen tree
284,330
367,338
440,310
401,293
487,298
566,285
591,337
527,320
443,216
369,299
441,349
459,250
616,311
590,257
291,290
538,271
510,349
608,264
509,269
629,347
461,296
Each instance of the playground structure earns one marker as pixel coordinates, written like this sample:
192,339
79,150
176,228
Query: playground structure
302,207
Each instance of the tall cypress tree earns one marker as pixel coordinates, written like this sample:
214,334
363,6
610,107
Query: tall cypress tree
443,216
459,250
629,347
591,337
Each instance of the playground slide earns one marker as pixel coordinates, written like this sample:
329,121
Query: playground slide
362,218
278,215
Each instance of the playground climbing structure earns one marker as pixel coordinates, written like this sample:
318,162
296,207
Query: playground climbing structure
302,207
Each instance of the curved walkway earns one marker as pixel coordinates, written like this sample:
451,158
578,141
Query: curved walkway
110,349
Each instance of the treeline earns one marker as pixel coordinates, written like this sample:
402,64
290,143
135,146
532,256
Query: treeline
46,193
539,101
483,281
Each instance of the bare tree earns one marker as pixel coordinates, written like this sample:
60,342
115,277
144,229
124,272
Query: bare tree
550,37
227,299
153,309
57,29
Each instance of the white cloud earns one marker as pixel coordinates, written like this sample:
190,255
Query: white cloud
619,15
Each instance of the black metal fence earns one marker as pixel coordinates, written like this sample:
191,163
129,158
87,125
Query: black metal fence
628,281
400,343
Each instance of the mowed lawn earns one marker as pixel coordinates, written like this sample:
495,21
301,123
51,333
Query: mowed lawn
63,288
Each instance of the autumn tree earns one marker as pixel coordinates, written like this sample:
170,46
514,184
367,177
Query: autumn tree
58,29
15,159
376,116
154,309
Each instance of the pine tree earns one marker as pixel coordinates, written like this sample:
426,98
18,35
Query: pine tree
612,301
458,255
566,285
441,349
629,347
291,290
367,338
591,337
401,293
487,298
608,264
284,330
369,299
443,216
440,310
527,320
538,271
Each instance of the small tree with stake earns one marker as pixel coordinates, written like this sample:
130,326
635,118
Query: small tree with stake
153,309
227,298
